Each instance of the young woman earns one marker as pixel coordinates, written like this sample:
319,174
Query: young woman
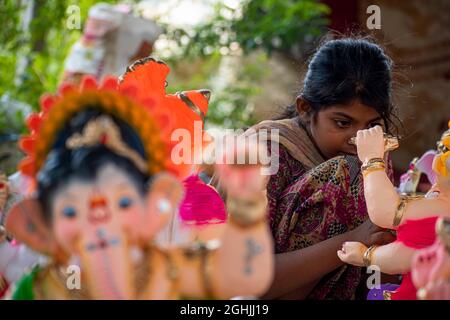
316,199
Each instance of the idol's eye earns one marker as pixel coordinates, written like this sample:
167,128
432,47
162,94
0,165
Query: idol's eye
69,212
125,202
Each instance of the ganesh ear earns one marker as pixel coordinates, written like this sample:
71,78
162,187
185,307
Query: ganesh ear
25,221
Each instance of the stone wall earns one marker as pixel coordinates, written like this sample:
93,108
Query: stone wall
417,36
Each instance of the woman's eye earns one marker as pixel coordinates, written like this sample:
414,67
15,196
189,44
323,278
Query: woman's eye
343,123
125,202
375,124
69,212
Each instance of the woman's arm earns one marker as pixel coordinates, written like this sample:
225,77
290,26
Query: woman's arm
295,271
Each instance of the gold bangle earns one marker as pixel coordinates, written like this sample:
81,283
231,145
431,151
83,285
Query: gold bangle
399,212
246,213
367,257
372,169
372,162
401,208
203,250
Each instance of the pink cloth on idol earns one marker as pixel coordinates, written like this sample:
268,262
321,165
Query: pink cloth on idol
202,204
416,234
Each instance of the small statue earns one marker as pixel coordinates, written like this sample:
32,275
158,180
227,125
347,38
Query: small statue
431,266
3,197
106,184
413,217
418,166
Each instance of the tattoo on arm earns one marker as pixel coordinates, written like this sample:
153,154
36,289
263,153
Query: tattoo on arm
253,249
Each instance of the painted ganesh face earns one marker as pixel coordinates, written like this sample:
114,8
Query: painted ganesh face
99,215
99,222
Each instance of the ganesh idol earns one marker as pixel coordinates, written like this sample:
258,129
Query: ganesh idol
105,184
412,217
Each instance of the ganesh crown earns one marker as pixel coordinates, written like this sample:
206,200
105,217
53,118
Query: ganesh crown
443,160
139,98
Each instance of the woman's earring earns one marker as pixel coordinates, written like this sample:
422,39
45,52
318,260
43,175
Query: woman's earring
164,206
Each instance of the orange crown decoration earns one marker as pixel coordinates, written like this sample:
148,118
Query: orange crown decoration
140,101
184,108
444,154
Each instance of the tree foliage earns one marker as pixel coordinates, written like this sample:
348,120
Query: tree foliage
255,29
285,26
32,57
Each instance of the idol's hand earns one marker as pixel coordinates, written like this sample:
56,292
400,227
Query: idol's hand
242,178
439,290
370,143
244,184
352,253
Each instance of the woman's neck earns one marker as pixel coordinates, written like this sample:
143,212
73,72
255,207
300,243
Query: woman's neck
310,136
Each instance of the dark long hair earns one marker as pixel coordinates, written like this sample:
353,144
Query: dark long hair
62,164
343,70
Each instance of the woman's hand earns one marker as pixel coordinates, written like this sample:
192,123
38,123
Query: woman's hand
370,143
352,253
369,234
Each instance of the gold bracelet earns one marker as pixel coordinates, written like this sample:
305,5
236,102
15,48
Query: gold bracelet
367,257
203,250
372,169
374,161
374,164
401,208
399,212
246,213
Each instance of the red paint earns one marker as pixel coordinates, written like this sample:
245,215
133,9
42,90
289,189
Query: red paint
96,202
102,244
104,139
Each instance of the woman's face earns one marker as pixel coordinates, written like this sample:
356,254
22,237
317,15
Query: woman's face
333,127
